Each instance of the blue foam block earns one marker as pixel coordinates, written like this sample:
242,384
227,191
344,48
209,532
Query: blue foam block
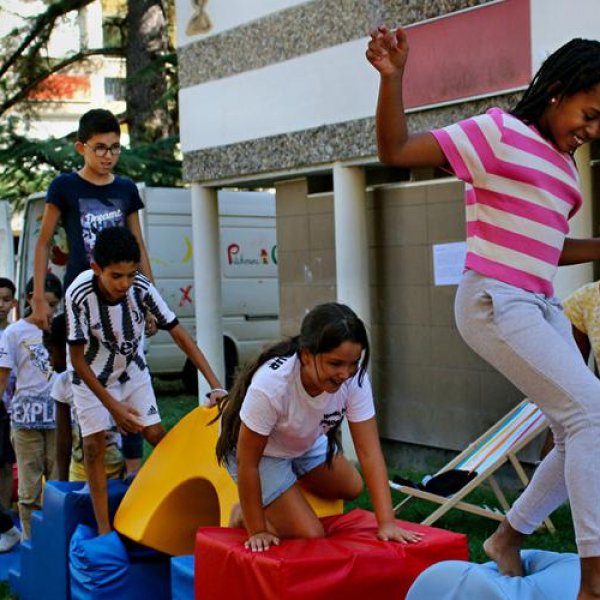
548,576
44,568
182,577
103,569
98,565
9,561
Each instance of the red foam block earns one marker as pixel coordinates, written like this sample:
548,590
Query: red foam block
349,563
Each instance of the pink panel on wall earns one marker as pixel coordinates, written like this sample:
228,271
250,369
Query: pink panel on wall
474,52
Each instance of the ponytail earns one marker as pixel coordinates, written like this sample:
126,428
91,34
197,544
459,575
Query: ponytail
229,406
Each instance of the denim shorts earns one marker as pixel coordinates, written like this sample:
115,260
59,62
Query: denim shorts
277,475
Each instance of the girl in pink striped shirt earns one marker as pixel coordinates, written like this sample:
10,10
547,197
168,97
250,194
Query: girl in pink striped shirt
521,188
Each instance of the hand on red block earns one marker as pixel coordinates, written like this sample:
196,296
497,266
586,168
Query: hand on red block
261,541
391,532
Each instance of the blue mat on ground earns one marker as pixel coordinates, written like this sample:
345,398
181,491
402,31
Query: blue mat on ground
548,576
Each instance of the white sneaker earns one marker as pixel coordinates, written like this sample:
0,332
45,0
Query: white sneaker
9,539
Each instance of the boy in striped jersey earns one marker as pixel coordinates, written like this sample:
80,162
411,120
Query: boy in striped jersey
106,309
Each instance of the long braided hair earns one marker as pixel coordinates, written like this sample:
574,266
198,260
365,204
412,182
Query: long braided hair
323,329
574,67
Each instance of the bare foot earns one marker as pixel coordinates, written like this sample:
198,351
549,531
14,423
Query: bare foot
236,518
504,549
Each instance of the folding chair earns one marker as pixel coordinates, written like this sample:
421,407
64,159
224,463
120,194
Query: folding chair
498,445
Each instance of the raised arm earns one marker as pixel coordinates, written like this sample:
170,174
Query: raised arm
40,265
388,53
133,223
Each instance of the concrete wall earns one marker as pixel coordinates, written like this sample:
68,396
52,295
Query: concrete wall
305,251
430,387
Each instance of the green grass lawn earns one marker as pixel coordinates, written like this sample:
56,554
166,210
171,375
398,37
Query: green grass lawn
174,404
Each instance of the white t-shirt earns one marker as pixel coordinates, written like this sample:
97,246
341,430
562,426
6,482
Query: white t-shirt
112,331
9,390
22,349
277,405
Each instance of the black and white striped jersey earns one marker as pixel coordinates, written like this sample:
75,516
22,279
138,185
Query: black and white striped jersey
112,331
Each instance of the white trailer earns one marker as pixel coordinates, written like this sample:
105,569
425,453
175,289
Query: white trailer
248,257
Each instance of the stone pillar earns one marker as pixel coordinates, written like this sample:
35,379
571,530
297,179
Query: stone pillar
351,247
351,253
207,281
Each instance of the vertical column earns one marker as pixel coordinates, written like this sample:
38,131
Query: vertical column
351,253
351,248
207,281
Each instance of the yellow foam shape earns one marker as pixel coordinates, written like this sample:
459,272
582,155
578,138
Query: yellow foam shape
182,487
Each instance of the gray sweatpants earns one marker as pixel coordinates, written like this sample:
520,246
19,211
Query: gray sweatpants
528,338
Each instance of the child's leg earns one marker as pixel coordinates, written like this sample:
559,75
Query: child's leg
29,448
340,480
132,447
6,485
288,514
142,398
528,339
291,516
94,446
50,466
154,433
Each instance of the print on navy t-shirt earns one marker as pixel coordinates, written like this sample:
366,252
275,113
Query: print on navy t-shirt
96,215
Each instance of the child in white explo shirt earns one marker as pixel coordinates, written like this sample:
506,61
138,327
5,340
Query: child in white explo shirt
32,408
9,534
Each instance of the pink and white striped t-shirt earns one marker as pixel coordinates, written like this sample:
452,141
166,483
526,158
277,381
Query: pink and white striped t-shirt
520,193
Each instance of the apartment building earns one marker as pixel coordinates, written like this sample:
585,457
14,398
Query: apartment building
278,93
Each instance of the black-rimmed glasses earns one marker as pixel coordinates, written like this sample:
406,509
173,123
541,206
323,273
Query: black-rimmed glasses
101,150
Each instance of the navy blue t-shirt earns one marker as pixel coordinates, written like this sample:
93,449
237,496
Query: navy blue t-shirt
86,209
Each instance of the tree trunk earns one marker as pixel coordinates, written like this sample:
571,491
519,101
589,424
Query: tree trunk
147,40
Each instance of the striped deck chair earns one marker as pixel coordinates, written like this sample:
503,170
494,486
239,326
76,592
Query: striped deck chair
498,445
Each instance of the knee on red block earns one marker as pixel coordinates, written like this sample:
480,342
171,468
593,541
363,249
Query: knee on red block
349,562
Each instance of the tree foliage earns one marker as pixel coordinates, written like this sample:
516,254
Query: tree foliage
29,77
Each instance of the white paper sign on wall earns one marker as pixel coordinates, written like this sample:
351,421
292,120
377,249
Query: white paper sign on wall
448,262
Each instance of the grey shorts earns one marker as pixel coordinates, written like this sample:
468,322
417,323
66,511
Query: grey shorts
277,475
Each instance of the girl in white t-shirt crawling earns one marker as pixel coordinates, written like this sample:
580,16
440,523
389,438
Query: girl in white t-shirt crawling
280,426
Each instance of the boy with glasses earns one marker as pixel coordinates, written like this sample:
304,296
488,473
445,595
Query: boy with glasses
86,202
